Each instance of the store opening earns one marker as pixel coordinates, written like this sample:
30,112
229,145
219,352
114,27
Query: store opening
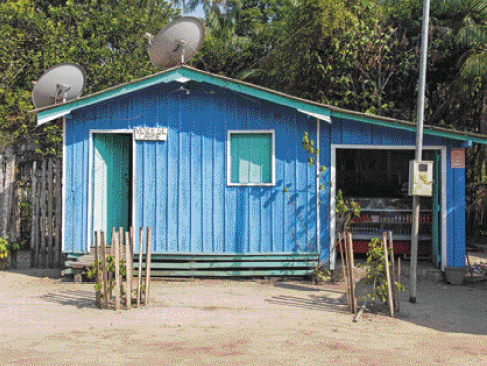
378,180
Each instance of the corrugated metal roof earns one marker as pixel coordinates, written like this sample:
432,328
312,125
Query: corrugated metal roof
49,113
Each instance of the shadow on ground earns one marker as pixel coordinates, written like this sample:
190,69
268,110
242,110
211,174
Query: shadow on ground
79,299
313,302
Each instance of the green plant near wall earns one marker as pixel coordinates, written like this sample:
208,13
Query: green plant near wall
110,260
6,249
376,273
308,146
4,253
344,214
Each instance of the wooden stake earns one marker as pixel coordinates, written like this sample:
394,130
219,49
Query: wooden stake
353,295
112,253
388,277
121,246
104,266
148,265
139,278
359,314
393,276
128,270
347,268
33,218
344,271
117,270
97,266
398,302
121,255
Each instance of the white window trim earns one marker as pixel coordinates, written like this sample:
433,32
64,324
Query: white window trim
273,158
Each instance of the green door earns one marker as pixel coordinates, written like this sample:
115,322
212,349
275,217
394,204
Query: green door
436,224
112,182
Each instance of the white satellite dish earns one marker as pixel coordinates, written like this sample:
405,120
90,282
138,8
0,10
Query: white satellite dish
59,84
176,43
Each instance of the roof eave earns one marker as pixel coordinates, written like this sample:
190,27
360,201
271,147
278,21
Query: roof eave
50,113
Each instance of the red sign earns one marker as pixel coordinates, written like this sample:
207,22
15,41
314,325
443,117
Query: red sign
458,158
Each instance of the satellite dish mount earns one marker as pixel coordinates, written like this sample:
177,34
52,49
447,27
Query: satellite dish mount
59,84
176,43
180,48
62,92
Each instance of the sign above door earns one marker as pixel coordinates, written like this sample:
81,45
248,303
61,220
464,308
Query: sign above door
150,134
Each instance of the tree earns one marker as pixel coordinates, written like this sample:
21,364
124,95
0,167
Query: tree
103,36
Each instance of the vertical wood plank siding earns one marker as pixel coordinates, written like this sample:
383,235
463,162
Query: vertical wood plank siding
180,184
351,132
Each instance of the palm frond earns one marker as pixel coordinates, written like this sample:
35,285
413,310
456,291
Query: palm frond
472,35
475,67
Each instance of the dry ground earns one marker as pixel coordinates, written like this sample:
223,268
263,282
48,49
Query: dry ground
44,320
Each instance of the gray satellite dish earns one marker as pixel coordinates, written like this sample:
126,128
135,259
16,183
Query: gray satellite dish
176,42
59,84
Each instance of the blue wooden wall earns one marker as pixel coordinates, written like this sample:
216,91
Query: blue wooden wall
180,184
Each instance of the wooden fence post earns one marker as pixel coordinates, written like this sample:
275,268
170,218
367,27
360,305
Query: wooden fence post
388,277
353,295
115,241
148,265
8,193
344,271
104,267
43,214
128,270
139,278
395,293
399,282
33,224
2,193
14,212
58,214
97,266
4,199
37,220
50,196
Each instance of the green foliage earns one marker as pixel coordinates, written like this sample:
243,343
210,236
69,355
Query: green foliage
103,36
110,269
6,248
310,238
344,215
376,272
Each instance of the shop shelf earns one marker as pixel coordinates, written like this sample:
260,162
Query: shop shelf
394,236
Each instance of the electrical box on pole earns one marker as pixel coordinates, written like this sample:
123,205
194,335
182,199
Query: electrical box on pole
420,178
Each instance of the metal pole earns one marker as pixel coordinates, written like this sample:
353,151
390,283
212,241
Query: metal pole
419,147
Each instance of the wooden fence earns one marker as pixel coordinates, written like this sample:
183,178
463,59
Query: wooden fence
46,211
30,207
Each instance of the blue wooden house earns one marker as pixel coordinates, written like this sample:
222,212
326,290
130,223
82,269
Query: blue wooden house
216,168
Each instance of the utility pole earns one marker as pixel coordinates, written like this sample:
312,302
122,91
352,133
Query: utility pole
419,148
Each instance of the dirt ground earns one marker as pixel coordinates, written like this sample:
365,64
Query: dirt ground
47,320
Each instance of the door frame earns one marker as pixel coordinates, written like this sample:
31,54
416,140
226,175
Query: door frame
90,178
443,210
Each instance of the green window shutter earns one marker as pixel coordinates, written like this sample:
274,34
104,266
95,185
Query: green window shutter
251,158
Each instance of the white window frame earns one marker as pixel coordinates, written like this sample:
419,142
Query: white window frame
229,159
443,199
